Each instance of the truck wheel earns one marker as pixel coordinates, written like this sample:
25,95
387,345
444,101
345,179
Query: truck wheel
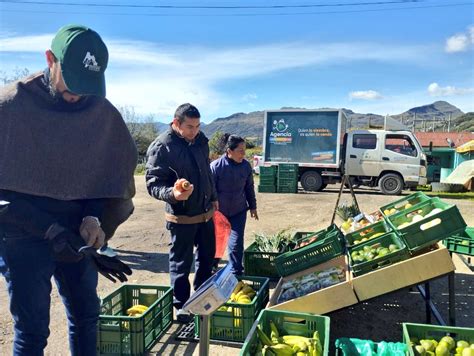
391,184
312,181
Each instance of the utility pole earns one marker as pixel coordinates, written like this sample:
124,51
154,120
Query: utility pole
449,123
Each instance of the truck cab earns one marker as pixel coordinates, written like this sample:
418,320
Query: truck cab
391,160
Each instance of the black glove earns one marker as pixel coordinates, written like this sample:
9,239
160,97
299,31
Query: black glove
110,267
70,247
65,244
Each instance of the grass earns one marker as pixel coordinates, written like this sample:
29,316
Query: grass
446,195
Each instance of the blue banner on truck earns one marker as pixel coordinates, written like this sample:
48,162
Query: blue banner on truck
303,137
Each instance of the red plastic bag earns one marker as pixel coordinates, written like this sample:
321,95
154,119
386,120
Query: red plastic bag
222,230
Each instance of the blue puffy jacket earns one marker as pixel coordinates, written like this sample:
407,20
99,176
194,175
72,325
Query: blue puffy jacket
234,185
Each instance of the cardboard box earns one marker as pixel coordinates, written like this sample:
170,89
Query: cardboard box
403,274
322,301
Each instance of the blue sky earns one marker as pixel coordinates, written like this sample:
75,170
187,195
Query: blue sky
379,58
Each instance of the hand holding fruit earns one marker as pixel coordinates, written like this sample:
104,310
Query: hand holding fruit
182,189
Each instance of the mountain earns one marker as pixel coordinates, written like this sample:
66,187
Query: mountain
464,122
161,126
439,111
251,124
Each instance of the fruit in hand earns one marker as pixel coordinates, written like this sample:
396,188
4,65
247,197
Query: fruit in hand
183,185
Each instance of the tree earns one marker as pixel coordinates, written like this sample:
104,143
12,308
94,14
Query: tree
215,146
142,128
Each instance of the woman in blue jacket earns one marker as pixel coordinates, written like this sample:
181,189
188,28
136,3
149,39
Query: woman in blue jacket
233,178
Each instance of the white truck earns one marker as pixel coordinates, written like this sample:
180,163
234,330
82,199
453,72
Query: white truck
317,141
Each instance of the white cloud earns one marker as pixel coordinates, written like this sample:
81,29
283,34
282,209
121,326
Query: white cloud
435,90
460,42
156,78
250,97
365,95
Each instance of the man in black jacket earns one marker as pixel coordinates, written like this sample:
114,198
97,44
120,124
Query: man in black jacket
182,153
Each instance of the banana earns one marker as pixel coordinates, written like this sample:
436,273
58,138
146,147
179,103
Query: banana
251,295
136,309
237,289
299,346
282,349
263,337
247,289
295,339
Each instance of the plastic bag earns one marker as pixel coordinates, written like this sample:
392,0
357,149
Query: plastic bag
222,230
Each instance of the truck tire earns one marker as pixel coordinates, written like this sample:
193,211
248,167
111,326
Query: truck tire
391,184
312,181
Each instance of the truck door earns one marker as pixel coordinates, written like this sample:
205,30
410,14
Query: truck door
400,154
362,155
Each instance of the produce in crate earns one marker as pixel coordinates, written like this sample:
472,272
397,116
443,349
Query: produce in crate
360,221
279,242
392,211
446,346
137,310
368,234
305,242
243,294
369,253
283,345
417,215
310,283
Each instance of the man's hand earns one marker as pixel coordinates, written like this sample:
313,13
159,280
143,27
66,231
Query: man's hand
215,205
91,232
179,194
254,214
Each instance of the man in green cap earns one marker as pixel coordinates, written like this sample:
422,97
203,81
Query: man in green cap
66,183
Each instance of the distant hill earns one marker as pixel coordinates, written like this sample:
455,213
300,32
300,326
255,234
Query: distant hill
251,124
465,122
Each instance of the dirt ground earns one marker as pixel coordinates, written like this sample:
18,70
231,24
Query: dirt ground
143,243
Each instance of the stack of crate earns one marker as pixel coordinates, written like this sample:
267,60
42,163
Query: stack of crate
287,181
268,178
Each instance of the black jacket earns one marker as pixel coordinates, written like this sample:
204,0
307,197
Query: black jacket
190,161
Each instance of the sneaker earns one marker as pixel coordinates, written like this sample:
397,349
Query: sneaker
183,316
107,251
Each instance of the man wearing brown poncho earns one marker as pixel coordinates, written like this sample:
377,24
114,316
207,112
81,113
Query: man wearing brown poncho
66,183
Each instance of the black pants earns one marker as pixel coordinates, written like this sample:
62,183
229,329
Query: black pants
183,240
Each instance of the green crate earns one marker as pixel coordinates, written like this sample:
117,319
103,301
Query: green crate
327,246
287,182
267,181
119,334
425,331
366,232
430,229
462,242
262,264
413,199
287,189
287,167
389,259
266,189
357,347
287,323
235,324
269,171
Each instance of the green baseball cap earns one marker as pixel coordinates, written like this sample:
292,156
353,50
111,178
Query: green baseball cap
83,57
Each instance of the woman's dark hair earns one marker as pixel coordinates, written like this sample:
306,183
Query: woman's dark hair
229,141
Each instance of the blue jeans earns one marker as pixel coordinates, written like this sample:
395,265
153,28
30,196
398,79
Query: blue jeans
183,239
236,242
27,264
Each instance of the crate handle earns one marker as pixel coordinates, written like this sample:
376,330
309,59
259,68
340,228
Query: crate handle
294,320
430,224
381,264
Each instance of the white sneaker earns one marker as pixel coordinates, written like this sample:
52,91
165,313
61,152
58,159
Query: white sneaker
107,251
